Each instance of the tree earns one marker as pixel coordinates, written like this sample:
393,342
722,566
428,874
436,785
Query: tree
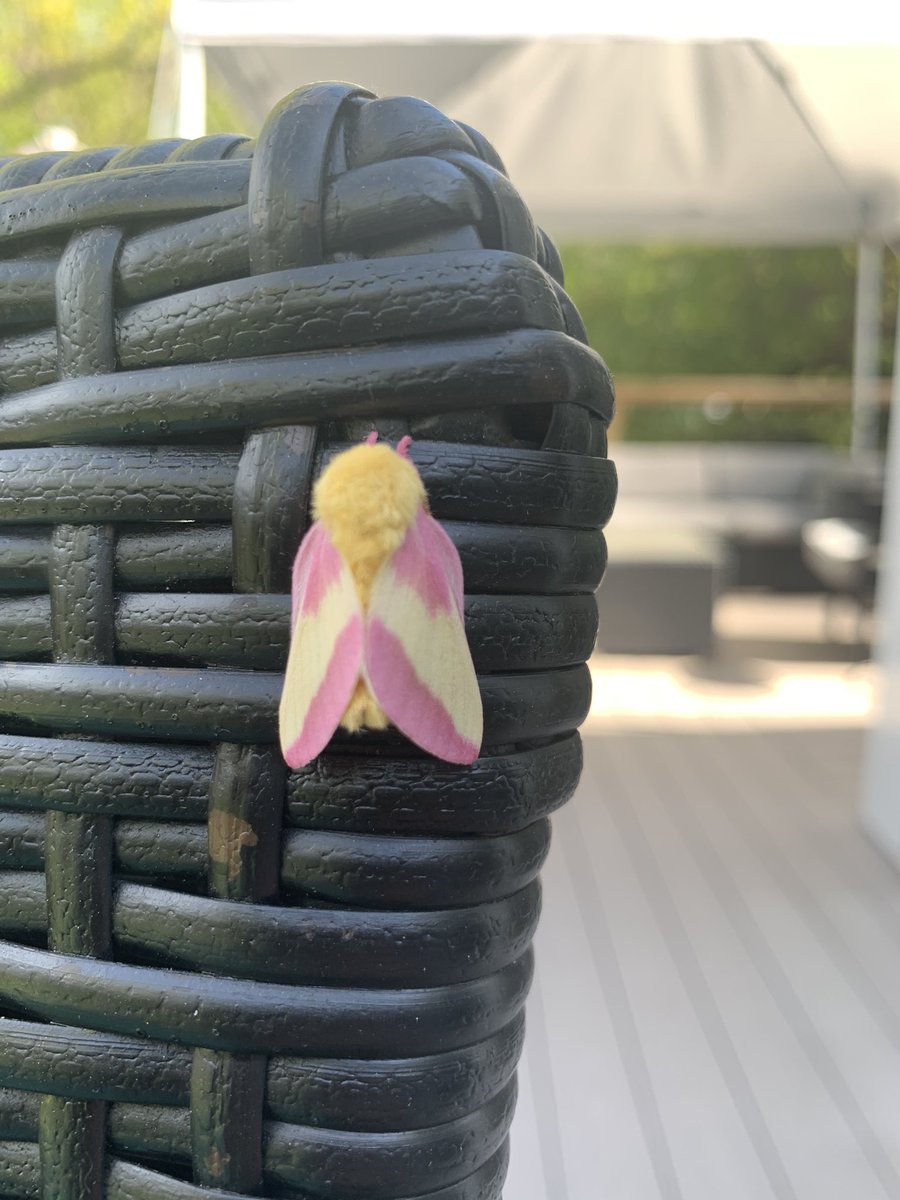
668,310
86,64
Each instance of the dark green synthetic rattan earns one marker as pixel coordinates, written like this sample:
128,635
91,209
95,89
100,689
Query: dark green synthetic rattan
217,977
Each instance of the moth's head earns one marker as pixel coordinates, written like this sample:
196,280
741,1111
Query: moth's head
367,497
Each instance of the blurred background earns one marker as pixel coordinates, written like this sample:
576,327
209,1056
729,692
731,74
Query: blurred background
716,1010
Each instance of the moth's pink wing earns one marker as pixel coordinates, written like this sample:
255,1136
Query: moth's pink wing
325,656
417,660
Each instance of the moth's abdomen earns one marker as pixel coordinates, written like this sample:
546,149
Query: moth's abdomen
363,711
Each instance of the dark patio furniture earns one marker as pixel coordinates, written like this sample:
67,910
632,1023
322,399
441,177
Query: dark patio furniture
843,555
658,594
755,498
219,978
841,549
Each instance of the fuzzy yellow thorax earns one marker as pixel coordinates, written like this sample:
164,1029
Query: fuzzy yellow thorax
366,499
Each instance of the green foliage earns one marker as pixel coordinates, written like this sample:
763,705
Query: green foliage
87,65
670,310
828,424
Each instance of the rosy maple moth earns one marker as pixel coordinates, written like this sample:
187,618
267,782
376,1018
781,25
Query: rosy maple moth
377,634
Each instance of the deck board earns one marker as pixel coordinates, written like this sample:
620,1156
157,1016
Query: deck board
717,1011
580,964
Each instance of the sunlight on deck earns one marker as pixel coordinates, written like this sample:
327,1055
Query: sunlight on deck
772,665
677,691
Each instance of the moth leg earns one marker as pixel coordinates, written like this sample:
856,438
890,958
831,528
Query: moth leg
363,711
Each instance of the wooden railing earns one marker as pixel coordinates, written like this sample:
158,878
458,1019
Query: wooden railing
740,389
677,390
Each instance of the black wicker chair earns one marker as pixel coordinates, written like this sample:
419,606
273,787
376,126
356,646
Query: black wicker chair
217,977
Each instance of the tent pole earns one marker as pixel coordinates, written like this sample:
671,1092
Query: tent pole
881,767
864,436
164,105
192,92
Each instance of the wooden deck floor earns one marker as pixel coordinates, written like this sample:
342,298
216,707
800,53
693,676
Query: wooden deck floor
716,1014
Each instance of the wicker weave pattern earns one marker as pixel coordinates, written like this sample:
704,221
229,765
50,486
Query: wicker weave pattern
220,978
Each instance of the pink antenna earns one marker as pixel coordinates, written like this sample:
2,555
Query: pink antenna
403,446
372,438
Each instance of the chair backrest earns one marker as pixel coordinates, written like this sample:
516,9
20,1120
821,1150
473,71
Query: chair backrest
210,966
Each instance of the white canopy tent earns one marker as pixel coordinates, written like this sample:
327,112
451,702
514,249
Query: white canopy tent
697,121
730,141
701,132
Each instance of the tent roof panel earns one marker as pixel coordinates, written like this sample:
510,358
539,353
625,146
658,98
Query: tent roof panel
212,22
623,137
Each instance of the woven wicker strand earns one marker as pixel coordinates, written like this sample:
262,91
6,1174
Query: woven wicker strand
219,978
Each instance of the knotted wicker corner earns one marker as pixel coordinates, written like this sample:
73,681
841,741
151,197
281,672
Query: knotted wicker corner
219,978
